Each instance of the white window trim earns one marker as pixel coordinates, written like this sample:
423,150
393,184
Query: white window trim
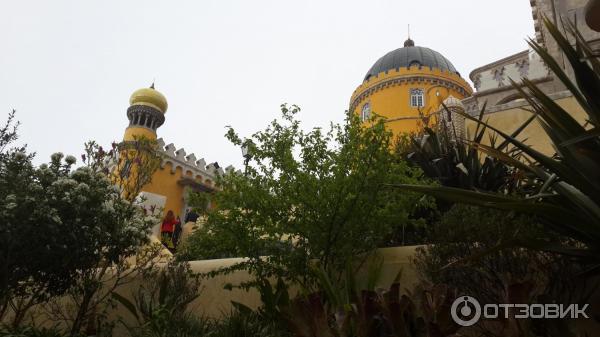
417,97
365,112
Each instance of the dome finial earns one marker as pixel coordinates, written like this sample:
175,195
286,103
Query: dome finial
152,85
409,42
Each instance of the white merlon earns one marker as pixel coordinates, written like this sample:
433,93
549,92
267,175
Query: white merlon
170,150
201,163
191,159
180,154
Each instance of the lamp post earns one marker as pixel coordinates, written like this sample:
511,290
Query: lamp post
246,153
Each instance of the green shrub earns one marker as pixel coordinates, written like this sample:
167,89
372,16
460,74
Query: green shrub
160,304
461,256
316,195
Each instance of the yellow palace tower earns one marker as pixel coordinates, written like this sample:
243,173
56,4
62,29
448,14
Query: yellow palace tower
179,172
407,86
146,113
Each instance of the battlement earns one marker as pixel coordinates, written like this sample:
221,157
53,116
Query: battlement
189,164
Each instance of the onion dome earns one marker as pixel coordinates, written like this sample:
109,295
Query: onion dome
149,97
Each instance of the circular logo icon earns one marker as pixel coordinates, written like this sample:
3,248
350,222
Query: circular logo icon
469,307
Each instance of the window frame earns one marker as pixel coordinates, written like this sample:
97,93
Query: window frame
365,110
417,97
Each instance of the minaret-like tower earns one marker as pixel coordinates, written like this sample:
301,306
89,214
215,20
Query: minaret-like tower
146,113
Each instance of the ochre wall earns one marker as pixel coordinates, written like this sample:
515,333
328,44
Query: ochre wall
393,100
509,120
215,301
164,182
132,132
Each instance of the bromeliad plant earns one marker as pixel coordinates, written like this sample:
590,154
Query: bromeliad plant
342,308
342,305
567,199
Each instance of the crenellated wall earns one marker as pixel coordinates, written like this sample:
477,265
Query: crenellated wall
179,172
189,163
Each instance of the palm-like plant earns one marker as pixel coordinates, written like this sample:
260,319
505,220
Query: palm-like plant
567,199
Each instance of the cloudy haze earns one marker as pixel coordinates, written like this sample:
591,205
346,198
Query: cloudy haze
68,67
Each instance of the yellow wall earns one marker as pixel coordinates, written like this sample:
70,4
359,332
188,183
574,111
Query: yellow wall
393,100
214,301
130,132
509,120
164,182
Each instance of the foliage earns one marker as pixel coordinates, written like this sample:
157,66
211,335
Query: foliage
454,163
307,195
344,305
8,135
29,332
65,230
129,164
514,275
343,308
242,321
567,198
120,239
198,201
160,303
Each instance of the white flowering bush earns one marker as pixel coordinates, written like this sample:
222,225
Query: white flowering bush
63,229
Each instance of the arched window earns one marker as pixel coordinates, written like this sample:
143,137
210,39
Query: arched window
417,98
126,170
365,112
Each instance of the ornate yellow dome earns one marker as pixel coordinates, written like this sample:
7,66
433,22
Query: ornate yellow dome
149,97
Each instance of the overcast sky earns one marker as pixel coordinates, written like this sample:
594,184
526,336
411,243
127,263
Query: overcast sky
69,67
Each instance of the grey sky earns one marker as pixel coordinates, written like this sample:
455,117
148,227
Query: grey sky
68,67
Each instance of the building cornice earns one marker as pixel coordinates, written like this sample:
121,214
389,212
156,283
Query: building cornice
507,60
510,87
518,103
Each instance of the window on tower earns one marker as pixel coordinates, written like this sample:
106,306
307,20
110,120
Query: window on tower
365,113
126,169
417,98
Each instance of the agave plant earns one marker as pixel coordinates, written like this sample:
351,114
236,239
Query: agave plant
567,200
454,163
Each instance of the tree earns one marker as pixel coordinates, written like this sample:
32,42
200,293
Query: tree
65,229
307,195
